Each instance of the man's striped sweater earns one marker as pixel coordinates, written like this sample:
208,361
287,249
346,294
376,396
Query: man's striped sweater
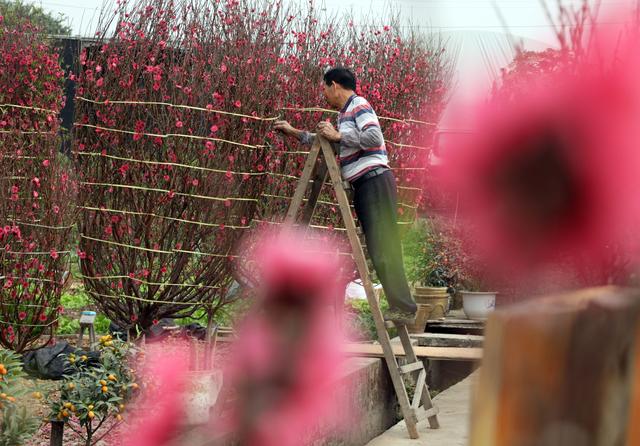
362,145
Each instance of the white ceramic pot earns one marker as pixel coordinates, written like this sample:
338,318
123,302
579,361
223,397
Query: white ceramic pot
478,304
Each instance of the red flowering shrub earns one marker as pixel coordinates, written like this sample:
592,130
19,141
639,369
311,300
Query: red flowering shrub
36,191
175,148
170,151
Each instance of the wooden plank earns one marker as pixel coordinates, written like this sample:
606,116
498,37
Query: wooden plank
411,367
420,388
448,321
447,337
448,340
441,353
561,370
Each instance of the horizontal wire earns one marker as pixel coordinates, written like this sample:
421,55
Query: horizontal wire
41,226
159,251
29,108
29,132
172,135
170,105
152,301
17,304
149,214
33,279
124,245
166,191
273,118
166,163
386,118
186,285
36,253
15,324
206,169
207,254
329,203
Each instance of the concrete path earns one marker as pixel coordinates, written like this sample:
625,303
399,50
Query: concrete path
454,421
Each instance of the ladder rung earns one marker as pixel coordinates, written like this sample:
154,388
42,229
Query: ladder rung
432,412
408,368
393,324
389,324
420,389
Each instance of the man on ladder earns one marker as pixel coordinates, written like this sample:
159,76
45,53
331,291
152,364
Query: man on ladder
364,164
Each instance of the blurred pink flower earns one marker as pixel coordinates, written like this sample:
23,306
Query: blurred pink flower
288,354
163,399
555,174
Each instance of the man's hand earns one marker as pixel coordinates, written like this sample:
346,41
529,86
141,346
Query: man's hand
326,130
285,127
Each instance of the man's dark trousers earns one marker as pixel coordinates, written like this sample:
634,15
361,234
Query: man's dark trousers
375,200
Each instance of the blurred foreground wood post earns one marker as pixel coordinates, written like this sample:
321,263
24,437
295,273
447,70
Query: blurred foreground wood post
57,433
561,371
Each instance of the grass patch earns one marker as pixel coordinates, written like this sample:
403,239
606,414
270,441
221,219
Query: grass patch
360,318
227,316
74,302
77,300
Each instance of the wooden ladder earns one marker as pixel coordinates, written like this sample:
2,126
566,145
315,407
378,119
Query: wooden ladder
321,149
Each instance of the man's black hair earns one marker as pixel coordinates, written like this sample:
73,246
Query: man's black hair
342,76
